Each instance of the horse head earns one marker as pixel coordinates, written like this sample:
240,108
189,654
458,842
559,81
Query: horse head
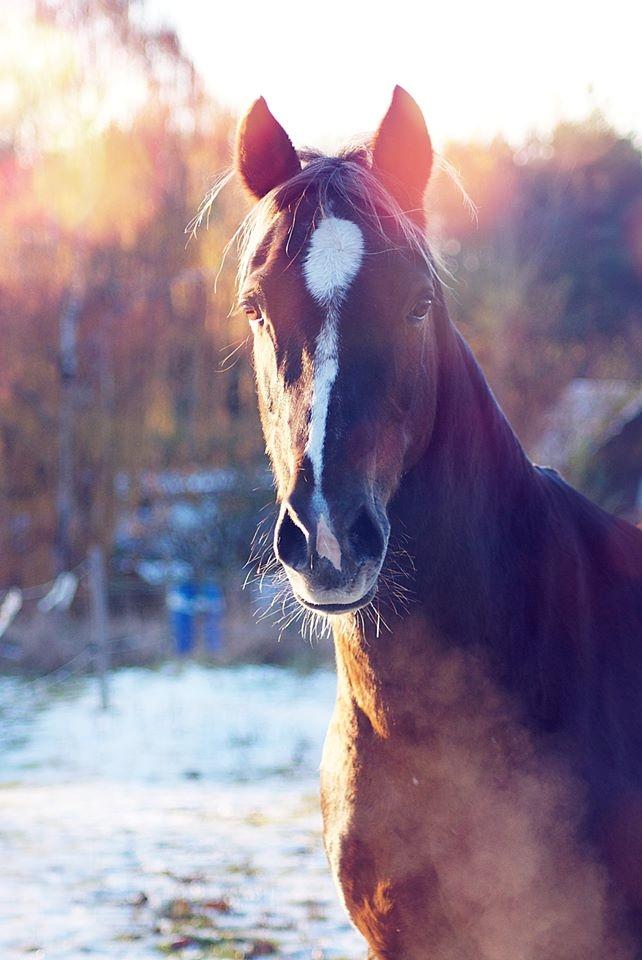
341,294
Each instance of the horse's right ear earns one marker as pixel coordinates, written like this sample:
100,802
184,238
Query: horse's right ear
265,157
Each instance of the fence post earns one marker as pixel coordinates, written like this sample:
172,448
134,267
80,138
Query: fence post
100,640
67,366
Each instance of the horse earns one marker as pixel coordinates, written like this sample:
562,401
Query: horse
481,778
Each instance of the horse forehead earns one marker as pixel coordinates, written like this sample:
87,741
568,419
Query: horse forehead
333,258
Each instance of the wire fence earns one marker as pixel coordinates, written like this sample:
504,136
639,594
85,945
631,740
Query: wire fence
85,587
83,623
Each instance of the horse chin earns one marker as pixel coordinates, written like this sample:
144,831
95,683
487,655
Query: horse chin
337,609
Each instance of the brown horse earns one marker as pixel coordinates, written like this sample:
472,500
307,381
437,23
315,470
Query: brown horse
482,774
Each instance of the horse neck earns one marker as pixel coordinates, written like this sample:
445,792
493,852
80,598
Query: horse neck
452,530
456,505
473,452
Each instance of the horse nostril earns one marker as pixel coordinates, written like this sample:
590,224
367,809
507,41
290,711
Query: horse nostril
291,543
365,538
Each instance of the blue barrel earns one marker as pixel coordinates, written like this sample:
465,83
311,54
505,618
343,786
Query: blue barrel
181,606
211,605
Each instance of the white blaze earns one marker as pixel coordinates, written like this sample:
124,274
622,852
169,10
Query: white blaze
332,262
327,544
334,257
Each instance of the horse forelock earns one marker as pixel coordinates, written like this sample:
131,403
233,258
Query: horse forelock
324,182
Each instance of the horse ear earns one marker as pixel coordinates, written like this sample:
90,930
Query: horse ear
402,153
265,157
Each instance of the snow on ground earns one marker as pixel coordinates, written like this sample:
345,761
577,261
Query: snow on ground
182,822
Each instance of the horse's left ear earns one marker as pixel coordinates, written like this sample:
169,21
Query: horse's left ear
265,157
402,153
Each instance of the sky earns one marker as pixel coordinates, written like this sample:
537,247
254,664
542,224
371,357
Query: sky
477,69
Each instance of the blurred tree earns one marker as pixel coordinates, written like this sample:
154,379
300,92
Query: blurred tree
548,277
112,334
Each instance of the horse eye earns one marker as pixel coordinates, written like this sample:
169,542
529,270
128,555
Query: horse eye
420,310
253,313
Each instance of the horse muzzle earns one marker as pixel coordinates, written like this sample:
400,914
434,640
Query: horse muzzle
332,560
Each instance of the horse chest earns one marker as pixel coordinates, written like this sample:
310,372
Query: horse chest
375,808
369,790
463,844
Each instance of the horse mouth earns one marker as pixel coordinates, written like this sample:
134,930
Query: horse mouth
338,608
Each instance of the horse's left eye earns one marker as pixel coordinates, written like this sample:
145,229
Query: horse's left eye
253,313
420,310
